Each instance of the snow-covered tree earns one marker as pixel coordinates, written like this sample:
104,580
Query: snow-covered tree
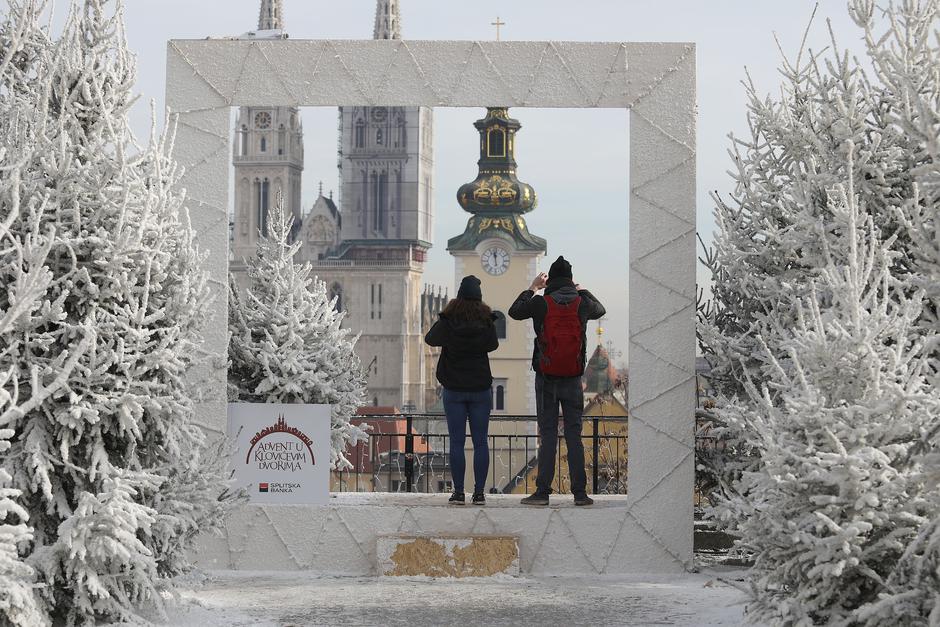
905,52
103,455
767,246
286,343
838,424
19,39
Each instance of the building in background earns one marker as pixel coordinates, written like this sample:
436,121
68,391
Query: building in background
497,247
371,244
267,154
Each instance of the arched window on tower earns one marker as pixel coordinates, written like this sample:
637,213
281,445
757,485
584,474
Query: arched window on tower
500,322
281,140
402,132
336,291
374,181
264,144
360,133
500,386
264,189
383,200
496,142
379,137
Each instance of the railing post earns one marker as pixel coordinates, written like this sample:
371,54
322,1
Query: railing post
596,450
409,456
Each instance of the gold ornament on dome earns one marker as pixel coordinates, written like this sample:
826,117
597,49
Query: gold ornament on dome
496,223
495,191
500,113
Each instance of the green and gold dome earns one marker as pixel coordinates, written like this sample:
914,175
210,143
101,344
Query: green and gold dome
496,198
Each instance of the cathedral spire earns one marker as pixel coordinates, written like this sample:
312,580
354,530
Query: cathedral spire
271,16
387,20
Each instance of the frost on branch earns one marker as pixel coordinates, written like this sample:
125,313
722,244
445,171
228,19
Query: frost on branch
286,344
840,424
767,248
103,279
905,53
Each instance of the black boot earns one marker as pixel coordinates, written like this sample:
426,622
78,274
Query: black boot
535,499
582,500
457,498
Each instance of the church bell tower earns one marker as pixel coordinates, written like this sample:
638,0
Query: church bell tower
268,155
497,247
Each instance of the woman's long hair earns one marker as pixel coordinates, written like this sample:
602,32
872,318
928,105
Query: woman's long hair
468,311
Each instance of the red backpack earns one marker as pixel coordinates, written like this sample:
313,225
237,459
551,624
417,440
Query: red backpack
561,343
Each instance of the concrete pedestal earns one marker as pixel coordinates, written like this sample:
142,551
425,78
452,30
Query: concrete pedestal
353,535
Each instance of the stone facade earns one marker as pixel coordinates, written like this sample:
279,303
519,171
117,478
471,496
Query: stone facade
371,244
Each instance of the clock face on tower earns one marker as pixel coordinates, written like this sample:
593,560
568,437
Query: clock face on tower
495,260
263,120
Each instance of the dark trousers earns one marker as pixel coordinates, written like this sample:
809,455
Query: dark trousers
474,407
550,393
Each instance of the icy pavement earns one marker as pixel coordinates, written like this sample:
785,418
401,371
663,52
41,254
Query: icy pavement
294,599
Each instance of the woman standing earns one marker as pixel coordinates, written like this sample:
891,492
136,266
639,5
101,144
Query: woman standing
466,332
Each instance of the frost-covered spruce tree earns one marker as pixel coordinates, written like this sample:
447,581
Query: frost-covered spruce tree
905,53
767,245
24,305
286,343
839,423
109,466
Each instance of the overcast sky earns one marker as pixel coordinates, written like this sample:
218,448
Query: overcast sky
575,159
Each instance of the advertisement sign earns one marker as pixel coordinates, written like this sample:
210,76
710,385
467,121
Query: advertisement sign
282,452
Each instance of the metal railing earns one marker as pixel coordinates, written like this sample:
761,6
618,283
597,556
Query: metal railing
414,456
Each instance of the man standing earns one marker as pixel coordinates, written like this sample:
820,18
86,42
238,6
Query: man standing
560,320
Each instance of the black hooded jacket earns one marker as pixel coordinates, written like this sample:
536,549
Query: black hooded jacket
464,364
562,290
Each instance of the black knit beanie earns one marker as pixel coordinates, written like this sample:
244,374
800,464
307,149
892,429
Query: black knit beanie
470,289
561,269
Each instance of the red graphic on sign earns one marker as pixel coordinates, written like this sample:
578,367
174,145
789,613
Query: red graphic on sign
281,426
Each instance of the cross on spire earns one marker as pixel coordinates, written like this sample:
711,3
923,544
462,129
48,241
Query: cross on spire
497,24
271,16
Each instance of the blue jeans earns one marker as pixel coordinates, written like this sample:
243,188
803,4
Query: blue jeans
475,407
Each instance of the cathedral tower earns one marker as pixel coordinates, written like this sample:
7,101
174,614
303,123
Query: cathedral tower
268,155
386,199
497,247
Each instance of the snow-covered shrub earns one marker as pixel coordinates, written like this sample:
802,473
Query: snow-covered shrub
767,246
838,423
98,259
286,343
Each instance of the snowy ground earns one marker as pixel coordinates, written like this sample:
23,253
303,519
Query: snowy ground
295,599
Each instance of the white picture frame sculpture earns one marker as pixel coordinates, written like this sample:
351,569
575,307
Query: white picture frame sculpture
654,81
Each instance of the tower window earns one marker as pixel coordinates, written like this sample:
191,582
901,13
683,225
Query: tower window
264,188
360,134
496,142
264,144
336,291
500,323
500,387
379,136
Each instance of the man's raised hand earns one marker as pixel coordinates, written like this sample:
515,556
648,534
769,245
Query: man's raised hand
539,282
